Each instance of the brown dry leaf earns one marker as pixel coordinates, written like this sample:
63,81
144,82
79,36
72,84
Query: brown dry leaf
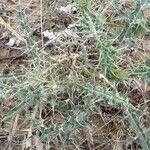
146,44
118,146
38,144
3,66
138,55
15,124
147,13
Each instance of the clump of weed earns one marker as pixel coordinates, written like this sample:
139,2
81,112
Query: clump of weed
58,93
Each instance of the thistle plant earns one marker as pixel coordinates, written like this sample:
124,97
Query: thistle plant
59,92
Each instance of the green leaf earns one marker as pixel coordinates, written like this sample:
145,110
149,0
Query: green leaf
135,123
118,74
145,2
65,105
137,30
